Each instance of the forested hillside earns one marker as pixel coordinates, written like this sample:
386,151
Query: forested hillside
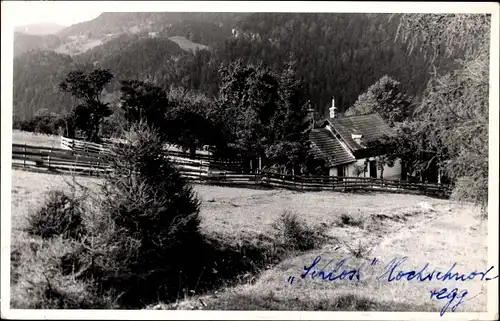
35,85
137,58
338,55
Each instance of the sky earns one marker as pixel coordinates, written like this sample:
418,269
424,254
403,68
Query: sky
64,13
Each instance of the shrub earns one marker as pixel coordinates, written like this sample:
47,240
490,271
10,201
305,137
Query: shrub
360,250
43,284
346,219
60,215
149,229
471,190
294,234
43,122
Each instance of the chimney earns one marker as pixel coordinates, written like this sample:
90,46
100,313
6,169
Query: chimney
332,109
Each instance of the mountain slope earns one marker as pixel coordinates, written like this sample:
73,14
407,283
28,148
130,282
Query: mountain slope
133,22
37,73
337,55
208,33
133,57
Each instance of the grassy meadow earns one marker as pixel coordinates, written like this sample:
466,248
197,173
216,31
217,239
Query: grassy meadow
358,228
35,139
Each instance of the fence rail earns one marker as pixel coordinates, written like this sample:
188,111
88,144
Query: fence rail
208,171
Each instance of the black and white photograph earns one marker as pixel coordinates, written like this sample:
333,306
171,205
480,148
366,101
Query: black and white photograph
250,160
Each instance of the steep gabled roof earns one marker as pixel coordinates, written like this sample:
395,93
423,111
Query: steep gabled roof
371,126
327,147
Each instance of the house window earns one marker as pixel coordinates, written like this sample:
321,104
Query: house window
342,171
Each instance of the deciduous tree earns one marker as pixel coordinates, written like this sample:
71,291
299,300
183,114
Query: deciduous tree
143,101
87,88
383,97
248,97
192,122
289,127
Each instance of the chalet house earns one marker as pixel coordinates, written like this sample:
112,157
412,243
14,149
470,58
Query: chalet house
342,143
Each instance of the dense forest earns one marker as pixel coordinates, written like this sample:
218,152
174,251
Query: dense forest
338,55
36,77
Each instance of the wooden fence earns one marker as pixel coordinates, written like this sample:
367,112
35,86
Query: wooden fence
217,172
85,146
59,160
82,146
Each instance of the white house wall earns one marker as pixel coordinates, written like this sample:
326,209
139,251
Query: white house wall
390,173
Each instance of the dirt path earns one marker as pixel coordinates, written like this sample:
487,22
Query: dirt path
443,236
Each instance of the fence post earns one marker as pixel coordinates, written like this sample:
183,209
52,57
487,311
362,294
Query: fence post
50,153
201,168
24,155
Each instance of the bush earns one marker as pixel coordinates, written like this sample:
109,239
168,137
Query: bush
470,190
346,219
149,229
43,284
60,215
360,250
24,125
43,122
294,234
